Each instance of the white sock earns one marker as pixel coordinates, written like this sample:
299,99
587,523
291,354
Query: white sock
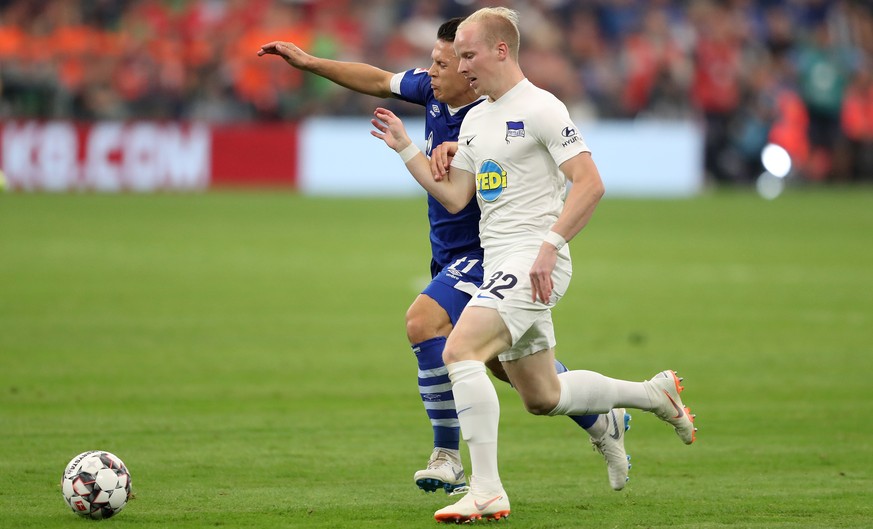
599,428
454,455
587,392
479,414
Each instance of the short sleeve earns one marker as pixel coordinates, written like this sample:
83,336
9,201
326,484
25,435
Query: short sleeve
558,133
411,85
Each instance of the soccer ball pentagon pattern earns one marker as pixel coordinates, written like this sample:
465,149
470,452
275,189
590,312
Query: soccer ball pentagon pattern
96,484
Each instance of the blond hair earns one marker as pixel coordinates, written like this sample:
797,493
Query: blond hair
500,24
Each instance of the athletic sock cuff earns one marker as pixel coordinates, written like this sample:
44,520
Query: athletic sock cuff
564,400
464,368
429,353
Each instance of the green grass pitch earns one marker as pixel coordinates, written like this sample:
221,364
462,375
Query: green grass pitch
245,354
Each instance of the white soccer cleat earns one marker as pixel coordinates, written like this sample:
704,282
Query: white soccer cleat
664,389
444,471
611,447
476,505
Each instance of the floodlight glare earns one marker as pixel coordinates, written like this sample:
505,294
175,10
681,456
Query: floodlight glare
776,160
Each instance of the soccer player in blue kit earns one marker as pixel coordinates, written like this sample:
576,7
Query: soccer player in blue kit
456,264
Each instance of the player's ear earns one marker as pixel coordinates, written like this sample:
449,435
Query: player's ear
502,50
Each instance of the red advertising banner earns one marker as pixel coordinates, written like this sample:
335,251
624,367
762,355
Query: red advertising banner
257,155
145,156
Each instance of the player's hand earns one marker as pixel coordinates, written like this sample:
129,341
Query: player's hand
390,129
441,158
541,273
288,51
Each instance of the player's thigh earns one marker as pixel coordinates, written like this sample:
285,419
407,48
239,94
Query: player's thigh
452,285
508,290
535,379
479,335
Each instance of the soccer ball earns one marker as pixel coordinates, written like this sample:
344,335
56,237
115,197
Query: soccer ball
96,484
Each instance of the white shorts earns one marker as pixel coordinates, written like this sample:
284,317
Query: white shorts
507,289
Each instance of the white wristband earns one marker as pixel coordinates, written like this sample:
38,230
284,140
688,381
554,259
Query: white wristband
409,152
555,240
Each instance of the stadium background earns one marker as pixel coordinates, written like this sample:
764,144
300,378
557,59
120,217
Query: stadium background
794,72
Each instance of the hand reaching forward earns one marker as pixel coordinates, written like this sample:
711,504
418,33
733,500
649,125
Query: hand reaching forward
390,129
288,51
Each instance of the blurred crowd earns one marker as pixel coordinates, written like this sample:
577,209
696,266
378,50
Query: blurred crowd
794,72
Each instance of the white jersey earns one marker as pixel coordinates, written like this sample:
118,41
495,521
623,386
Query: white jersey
514,147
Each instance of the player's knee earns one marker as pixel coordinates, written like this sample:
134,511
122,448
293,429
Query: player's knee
451,356
422,325
420,328
540,404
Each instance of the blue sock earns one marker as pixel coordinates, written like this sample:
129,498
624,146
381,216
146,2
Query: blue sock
585,421
435,389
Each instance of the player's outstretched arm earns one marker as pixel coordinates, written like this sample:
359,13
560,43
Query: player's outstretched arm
356,76
454,192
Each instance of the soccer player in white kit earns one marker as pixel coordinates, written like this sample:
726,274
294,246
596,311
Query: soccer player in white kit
515,152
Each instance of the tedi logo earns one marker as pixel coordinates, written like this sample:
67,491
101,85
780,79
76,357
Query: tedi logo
490,180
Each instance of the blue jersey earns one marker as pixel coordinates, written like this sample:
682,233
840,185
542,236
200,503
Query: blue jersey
450,235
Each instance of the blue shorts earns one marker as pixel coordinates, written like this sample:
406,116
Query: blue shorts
454,284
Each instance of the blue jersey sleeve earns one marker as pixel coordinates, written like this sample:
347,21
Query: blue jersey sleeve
414,86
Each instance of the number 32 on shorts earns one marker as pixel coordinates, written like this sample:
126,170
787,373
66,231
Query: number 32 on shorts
499,281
